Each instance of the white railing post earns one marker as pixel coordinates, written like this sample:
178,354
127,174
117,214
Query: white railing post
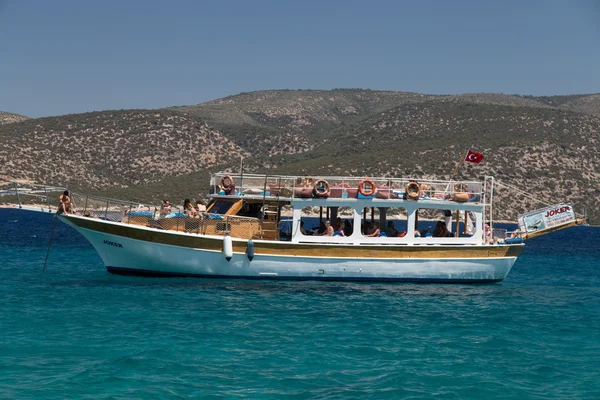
492,204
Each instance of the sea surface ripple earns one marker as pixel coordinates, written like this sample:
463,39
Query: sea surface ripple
76,331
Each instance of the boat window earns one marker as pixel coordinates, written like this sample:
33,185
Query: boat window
389,221
312,220
442,223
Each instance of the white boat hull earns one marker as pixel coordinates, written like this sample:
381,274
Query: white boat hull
125,255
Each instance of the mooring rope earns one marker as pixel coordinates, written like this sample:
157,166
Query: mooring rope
528,195
50,243
522,192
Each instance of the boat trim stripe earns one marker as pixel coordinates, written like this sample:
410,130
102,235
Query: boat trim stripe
289,249
161,274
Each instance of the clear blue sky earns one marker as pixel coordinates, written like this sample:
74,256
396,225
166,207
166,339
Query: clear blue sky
62,57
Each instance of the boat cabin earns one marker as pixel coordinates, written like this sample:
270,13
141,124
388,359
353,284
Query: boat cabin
373,210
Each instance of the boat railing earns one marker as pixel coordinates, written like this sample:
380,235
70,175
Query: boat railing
165,218
29,195
335,187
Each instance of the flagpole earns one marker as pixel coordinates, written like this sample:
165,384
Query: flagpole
459,163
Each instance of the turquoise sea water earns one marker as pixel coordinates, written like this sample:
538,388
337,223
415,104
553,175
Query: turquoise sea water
77,332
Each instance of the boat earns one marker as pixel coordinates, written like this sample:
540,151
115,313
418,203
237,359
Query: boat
258,227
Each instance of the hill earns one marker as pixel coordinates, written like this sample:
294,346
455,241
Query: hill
9,118
548,146
112,149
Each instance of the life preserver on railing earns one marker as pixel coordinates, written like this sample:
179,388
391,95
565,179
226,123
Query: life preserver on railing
413,191
321,188
370,191
227,184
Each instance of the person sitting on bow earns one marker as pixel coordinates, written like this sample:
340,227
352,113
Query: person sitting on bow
66,205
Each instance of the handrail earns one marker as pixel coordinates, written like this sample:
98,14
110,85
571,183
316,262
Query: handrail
161,218
292,187
333,177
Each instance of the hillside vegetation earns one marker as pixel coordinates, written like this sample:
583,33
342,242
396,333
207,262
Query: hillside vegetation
104,150
9,118
548,146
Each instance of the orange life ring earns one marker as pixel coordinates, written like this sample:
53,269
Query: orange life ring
227,184
321,188
361,188
413,190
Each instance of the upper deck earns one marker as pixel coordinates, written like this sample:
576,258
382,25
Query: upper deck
343,189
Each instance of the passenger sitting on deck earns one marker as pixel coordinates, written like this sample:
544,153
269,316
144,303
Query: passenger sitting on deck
188,208
65,206
165,208
437,231
516,234
200,207
340,230
373,230
302,230
367,228
328,229
336,225
441,230
321,229
348,229
308,182
487,235
391,230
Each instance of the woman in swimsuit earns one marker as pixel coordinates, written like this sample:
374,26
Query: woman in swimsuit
188,208
65,203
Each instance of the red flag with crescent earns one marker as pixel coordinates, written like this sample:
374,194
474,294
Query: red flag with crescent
474,157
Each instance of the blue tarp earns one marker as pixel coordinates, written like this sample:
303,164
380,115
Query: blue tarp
513,240
176,214
142,213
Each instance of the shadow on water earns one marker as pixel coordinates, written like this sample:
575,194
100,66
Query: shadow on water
338,290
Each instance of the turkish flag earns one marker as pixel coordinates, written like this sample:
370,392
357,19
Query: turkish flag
474,157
